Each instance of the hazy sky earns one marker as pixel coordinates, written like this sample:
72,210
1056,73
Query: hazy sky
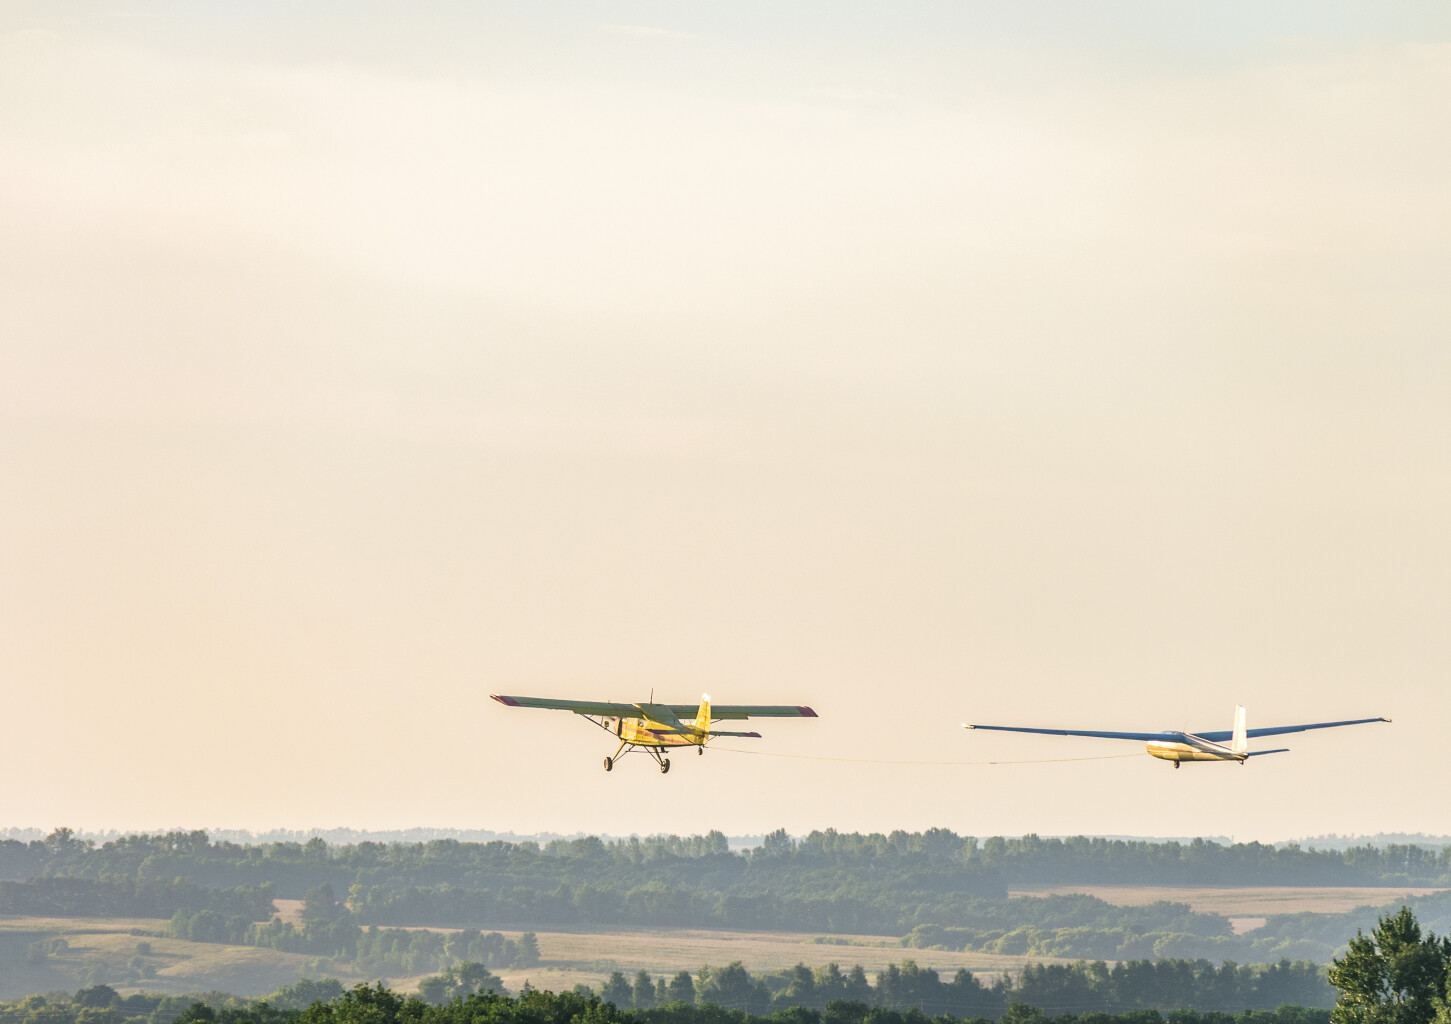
1069,364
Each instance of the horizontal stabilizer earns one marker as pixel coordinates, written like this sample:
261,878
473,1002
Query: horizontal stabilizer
1258,753
691,732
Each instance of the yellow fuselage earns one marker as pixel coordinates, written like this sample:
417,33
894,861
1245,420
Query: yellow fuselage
642,732
1202,750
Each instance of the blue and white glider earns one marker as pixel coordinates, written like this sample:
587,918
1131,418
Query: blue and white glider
1186,746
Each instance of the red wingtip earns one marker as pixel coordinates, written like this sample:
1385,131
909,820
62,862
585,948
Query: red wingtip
806,712
507,701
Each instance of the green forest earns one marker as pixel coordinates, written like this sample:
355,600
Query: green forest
932,889
1398,974
1054,989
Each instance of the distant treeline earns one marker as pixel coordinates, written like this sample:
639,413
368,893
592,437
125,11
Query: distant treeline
371,951
1059,925
937,861
378,1005
125,897
1057,988
890,910
936,888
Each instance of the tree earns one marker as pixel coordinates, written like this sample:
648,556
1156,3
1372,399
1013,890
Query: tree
777,844
1392,976
1021,1013
528,955
733,988
616,990
475,977
800,989
681,988
319,904
435,990
643,993
96,995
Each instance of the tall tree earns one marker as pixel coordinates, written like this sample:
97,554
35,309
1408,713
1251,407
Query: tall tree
643,992
616,990
1393,976
681,988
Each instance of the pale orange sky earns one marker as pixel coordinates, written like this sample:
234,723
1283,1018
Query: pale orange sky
922,366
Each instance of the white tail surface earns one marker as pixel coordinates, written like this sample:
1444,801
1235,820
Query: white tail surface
1240,744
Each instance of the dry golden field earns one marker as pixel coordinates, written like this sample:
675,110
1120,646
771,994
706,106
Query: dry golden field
571,958
1237,901
106,946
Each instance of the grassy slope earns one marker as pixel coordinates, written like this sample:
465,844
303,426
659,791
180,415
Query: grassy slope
1235,901
100,950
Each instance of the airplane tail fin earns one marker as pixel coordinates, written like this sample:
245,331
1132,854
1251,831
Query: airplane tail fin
702,719
1240,743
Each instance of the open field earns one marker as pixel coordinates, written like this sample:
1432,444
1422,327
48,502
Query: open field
572,958
104,949
290,911
1239,901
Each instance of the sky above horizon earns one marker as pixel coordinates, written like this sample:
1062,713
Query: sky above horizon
1055,365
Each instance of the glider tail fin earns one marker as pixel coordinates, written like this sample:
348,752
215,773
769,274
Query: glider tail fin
1240,743
702,719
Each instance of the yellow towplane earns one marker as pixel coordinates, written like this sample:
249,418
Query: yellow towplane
654,728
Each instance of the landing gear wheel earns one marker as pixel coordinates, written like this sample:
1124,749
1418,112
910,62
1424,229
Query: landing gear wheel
609,764
664,765
700,751
1176,765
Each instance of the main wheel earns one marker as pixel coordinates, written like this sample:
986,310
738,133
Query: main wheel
1176,765
664,765
700,751
609,764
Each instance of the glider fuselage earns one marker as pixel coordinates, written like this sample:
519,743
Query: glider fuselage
1185,747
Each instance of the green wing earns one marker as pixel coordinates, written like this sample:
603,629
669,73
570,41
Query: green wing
720,711
579,707
658,711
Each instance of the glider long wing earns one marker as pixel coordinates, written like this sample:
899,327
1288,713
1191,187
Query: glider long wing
1280,730
1170,737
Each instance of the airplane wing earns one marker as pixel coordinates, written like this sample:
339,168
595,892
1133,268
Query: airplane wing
1170,737
579,707
719,711
668,713
1280,730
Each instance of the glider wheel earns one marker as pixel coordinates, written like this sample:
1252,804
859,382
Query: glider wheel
609,764
700,751
664,765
